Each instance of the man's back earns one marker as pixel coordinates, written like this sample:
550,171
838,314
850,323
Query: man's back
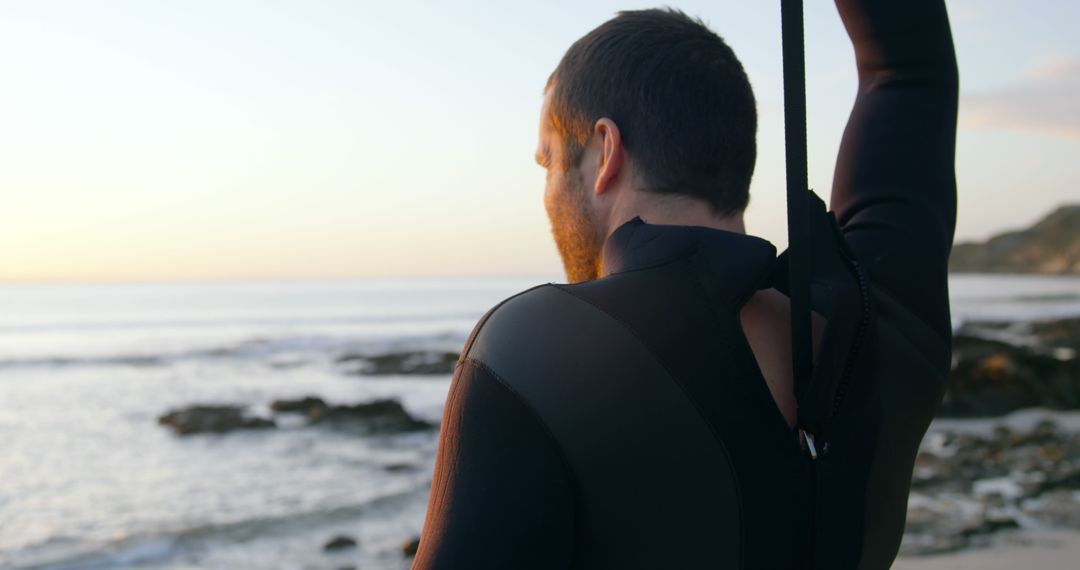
657,430
625,422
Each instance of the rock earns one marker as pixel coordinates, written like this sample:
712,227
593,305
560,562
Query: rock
968,489
340,542
409,547
1004,488
302,405
950,523
936,525
403,363
930,544
376,416
994,523
211,419
1059,508
991,377
399,467
1060,468
1044,432
286,364
1063,333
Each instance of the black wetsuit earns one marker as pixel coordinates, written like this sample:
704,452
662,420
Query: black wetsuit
624,422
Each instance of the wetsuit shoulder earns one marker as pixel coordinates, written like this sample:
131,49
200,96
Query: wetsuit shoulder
501,496
591,380
516,316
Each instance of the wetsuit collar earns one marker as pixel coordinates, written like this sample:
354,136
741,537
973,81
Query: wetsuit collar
742,262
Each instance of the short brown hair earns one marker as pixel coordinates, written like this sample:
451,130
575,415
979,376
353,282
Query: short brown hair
680,98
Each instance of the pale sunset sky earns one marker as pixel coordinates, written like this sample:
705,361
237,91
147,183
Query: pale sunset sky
229,139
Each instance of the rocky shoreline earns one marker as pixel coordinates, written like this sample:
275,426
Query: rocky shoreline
371,417
376,416
999,367
968,489
404,363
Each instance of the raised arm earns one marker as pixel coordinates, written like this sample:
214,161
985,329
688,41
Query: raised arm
894,189
500,497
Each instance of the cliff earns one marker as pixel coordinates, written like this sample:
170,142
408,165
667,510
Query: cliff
1051,246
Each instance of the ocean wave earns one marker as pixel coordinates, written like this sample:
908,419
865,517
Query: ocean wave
286,321
140,550
281,352
64,361
1048,298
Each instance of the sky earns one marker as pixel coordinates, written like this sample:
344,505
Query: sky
241,139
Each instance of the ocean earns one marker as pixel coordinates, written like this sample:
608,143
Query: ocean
89,480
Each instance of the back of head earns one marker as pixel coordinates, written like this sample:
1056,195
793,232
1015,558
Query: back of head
679,96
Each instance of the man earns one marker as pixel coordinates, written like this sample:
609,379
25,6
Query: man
645,415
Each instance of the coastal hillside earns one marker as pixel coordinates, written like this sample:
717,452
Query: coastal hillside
1051,246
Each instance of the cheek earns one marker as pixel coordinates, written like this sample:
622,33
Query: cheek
552,191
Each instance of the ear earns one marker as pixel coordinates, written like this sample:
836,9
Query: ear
612,154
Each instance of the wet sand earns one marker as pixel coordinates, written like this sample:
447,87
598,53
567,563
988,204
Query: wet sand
1040,550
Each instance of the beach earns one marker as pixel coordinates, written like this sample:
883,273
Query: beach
1043,550
319,406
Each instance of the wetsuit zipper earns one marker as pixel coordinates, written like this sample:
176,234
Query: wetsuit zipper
841,389
860,333
813,513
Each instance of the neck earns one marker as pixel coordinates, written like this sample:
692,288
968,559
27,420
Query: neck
674,210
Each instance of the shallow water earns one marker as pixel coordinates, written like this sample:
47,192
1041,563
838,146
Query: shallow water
1013,297
90,481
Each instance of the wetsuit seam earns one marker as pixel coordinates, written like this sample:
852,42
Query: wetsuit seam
567,469
701,414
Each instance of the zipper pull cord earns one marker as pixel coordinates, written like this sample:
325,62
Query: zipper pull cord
809,439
